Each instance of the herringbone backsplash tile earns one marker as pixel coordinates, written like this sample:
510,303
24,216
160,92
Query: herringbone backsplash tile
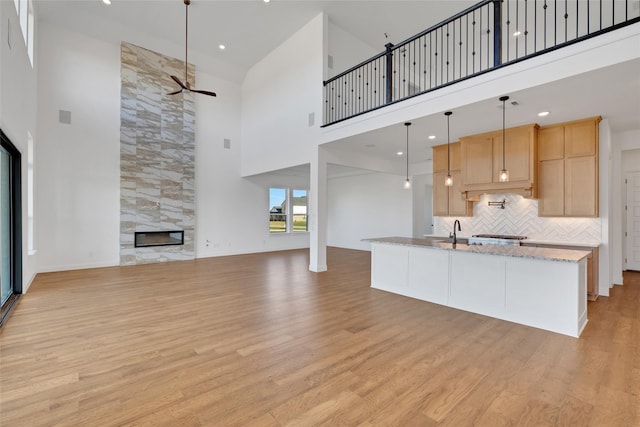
520,217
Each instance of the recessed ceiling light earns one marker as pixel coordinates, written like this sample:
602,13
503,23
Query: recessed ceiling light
543,113
399,153
432,137
267,1
106,1
222,47
517,33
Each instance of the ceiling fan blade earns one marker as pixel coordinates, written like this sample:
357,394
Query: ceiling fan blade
204,92
177,80
175,93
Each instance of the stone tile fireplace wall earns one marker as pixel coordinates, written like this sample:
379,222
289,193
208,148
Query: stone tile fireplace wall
157,155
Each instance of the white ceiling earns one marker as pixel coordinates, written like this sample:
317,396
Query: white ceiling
250,29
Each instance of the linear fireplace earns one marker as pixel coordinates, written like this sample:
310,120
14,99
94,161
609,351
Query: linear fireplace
158,238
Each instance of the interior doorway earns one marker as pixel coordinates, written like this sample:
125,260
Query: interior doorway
632,230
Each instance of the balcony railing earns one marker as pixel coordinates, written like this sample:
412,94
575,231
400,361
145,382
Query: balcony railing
484,37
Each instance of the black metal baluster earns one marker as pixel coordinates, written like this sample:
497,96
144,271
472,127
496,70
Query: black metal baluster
466,73
448,61
545,23
600,15
508,22
526,27
577,19
566,22
517,26
460,43
497,33
555,22
473,53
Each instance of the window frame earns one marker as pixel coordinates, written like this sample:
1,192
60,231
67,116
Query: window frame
288,213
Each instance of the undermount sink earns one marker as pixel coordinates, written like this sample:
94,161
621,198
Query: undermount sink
448,244
461,240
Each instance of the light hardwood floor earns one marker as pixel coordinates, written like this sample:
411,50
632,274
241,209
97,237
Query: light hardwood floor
258,340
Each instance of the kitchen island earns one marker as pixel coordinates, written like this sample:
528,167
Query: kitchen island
540,287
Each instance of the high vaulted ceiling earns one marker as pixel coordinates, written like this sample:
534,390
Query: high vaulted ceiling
250,29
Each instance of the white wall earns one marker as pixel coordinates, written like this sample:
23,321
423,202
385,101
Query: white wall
78,169
79,173
231,211
18,85
346,50
278,94
365,206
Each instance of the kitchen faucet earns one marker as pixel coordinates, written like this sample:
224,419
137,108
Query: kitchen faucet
455,238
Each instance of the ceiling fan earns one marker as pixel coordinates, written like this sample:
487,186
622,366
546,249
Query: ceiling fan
185,87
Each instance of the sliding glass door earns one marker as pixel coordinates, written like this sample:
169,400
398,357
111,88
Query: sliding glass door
10,227
5,226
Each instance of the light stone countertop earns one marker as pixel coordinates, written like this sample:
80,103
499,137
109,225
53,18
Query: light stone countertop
547,254
531,241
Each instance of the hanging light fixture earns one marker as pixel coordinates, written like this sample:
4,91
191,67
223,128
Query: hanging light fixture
448,180
407,182
504,173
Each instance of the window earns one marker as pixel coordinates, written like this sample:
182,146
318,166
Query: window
30,227
299,202
30,25
287,211
24,10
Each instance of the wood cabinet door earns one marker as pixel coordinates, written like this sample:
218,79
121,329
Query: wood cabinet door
457,205
440,162
440,194
477,160
551,188
456,164
581,186
581,138
551,143
518,147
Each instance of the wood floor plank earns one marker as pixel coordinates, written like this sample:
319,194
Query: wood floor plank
258,340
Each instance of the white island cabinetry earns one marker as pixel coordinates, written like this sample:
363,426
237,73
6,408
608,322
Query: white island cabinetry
543,288
411,271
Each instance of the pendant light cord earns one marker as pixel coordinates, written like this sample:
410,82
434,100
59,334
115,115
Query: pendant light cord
448,114
407,124
504,108
504,111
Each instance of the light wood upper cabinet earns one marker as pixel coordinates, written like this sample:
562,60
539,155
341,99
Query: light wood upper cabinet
477,163
440,163
568,184
482,160
448,201
581,138
551,143
519,154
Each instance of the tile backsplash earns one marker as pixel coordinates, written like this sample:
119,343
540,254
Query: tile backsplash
520,217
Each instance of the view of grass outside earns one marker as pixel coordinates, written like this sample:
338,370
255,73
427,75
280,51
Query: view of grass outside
278,211
277,226
279,200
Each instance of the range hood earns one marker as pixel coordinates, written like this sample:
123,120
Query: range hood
527,191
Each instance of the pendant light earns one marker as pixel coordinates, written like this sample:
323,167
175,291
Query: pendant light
448,180
504,173
407,182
